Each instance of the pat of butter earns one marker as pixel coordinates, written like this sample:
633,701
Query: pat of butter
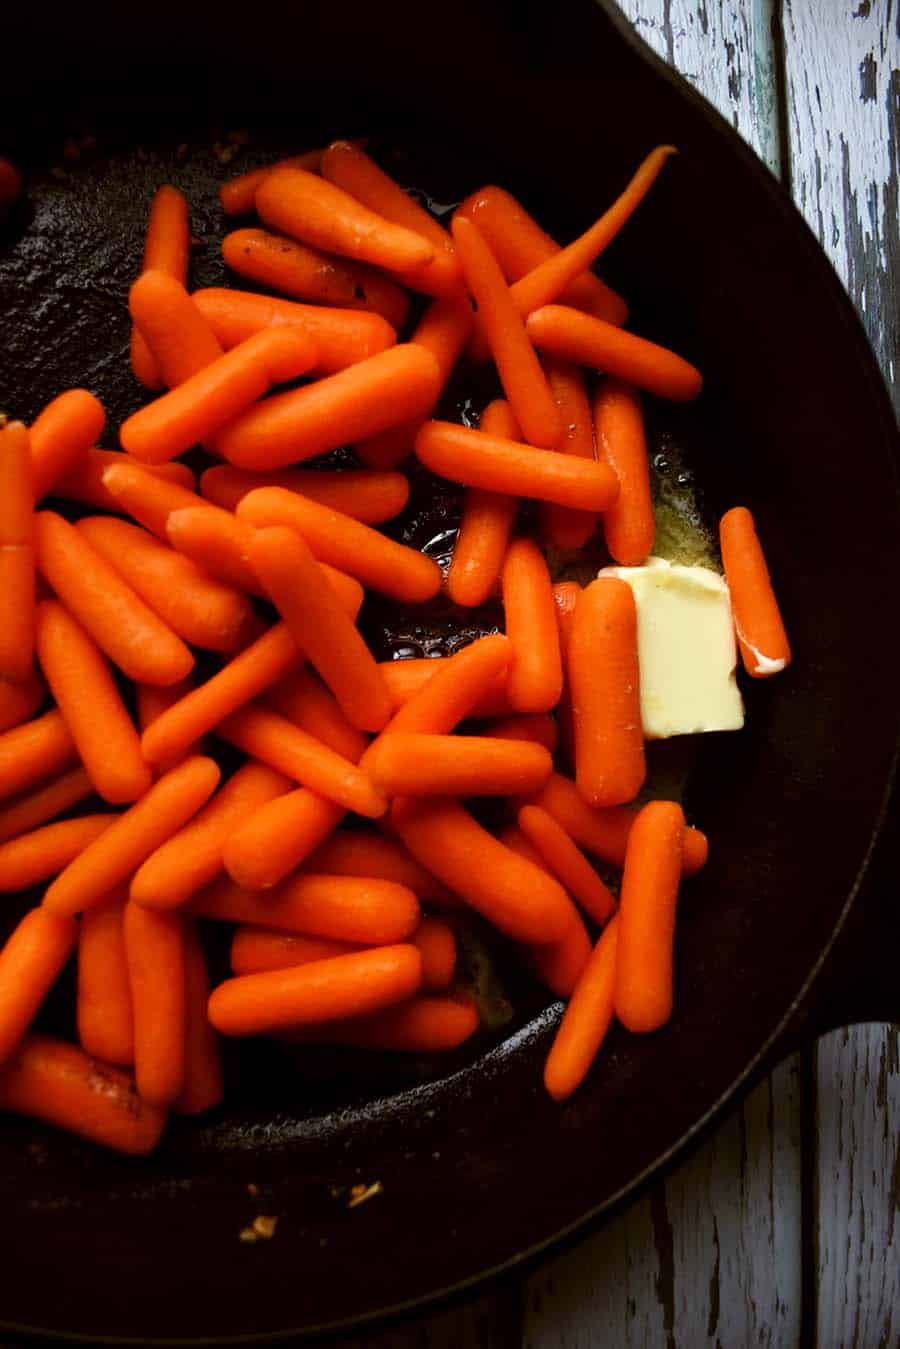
686,649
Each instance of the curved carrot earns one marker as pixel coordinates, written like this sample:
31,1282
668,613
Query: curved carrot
35,857
628,525
304,700
650,880
238,194
121,849
30,962
393,387
456,689
151,701
764,645
537,727
61,438
604,683
19,700
34,751
371,497
564,528
11,184
520,372
419,1026
307,274
534,681
174,332
342,908
84,482
476,459
585,1021
405,678
30,810
564,860
204,1084
166,249
278,837
16,554
413,764
559,964
154,952
486,524
105,1018
352,852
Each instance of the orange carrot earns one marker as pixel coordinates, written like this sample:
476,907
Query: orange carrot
564,860
105,1019
520,372
534,681
411,764
154,951
30,962
30,810
129,633
378,562
307,274
456,690
11,184
564,528
486,524
764,645
216,542
177,336
166,249
35,857
61,438
254,949
16,554
517,897
436,942
204,1084
50,1080
305,701
565,596
405,678
279,836
138,490
604,683
341,337
350,985
84,482
628,525
419,1026
151,701
192,858
476,459
121,849
350,852
34,751
558,965
343,908
653,867
371,497
393,387
585,1021
537,727
238,194
20,700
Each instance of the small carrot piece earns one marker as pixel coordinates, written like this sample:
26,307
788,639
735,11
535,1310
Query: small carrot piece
304,700
151,701
255,949
238,194
84,482
393,387
278,837
121,849
761,635
413,764
534,681
567,863
653,866
174,332
352,852
35,857
405,678
486,524
537,727
306,273
166,249
343,908
50,1080
19,700
564,528
586,1020
604,682
420,1026
11,184
436,942
192,858
204,1084
496,464
129,633
105,1018
16,554
34,751
30,810
377,561
30,962
369,496
154,951
457,688
628,526
61,438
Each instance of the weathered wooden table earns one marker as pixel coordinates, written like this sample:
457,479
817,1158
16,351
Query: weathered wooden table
784,1229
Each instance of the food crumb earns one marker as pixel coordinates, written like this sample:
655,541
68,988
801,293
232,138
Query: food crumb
261,1229
253,1189
360,1193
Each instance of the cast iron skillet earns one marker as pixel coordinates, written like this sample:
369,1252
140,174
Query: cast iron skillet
480,1171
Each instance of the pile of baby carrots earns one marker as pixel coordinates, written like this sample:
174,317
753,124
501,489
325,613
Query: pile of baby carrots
345,841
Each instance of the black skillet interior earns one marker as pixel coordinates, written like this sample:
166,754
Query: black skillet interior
478,1167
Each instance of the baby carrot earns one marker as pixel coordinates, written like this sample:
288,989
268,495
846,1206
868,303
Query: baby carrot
35,857
537,727
177,336
105,1019
628,525
534,681
585,1021
254,949
16,554
574,336
129,633
564,528
496,464
565,597
456,690
764,645
140,491
523,380
388,389
343,908
204,1084
34,751
154,951
151,701
11,184
371,497
405,678
341,336
238,194
653,866
278,837
166,249
61,438
413,764
604,683
569,865
307,274
352,852
436,942
304,700
418,1026
59,1083
559,964
350,985
29,811
121,849
486,524
84,482
377,561
192,858
20,700
30,962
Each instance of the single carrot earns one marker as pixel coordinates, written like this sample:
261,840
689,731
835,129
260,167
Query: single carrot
11,183
166,249
586,1020
476,459
436,942
604,683
16,554
34,751
255,949
378,562
84,482
19,700
561,527
35,857
154,952
565,597
405,678
278,837
371,497
523,380
306,273
129,633
537,727
762,639
393,387
151,701
30,962
304,700
411,764
534,681
420,1026
567,863
486,524
216,542
140,491
350,985
456,690
32,809
653,865
174,332
192,857
559,964
352,852
59,1083
517,897
343,908
628,525
238,194
204,1084
61,438
121,849
341,337
105,1018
